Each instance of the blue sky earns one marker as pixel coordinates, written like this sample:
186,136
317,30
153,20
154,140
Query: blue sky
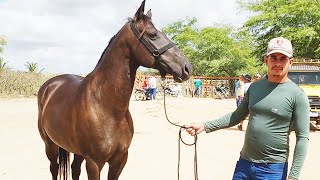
68,36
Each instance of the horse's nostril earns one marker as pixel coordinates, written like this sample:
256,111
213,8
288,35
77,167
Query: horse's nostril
186,69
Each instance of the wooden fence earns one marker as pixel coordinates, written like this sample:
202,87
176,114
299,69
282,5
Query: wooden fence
208,84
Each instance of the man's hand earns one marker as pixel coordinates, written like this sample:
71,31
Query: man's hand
194,128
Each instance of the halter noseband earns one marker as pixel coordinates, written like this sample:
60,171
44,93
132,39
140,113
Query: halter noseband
153,50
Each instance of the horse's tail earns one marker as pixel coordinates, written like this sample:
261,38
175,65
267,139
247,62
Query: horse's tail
64,164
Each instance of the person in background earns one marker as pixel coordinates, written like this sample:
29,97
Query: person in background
256,77
152,83
275,105
238,89
146,88
145,83
246,85
236,85
197,85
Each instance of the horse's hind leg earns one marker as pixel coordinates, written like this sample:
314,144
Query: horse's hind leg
76,166
116,165
52,151
52,154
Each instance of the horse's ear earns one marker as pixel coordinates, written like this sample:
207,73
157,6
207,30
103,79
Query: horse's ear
139,14
149,14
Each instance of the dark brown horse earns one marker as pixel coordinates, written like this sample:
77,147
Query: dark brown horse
90,116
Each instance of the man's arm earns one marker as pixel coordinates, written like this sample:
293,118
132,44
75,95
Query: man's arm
302,122
230,119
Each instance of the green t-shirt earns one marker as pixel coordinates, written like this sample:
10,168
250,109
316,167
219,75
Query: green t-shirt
197,83
273,109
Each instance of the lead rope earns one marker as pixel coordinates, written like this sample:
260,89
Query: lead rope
195,159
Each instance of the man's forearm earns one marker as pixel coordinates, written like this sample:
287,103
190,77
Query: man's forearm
299,156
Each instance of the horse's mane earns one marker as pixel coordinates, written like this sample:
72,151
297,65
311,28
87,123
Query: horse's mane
104,51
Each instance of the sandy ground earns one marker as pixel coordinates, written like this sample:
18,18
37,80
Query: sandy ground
153,153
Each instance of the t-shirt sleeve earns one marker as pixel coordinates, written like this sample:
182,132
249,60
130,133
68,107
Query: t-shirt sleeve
301,121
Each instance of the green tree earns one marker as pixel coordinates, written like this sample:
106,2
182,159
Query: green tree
33,67
147,71
184,34
2,63
3,42
213,51
297,20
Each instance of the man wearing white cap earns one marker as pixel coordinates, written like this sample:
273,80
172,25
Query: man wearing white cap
256,77
274,105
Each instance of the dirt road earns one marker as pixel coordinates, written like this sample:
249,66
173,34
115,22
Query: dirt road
154,150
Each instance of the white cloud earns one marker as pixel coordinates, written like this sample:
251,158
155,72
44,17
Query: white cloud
68,36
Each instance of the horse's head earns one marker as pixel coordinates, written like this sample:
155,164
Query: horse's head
155,49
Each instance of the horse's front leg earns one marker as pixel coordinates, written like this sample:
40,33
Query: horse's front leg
93,169
116,165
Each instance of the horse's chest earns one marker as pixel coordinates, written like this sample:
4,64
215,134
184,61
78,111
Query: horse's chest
107,142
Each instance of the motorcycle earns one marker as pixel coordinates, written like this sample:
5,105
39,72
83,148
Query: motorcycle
143,94
171,92
222,92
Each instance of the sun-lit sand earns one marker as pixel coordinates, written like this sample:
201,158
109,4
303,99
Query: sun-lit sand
153,153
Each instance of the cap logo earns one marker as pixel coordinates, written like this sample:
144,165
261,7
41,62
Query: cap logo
280,42
280,45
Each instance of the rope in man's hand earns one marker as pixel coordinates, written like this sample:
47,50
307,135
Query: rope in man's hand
163,83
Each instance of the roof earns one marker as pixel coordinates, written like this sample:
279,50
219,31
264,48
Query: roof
302,67
306,60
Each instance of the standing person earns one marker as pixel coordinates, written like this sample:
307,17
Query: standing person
246,85
197,85
146,88
153,87
275,104
236,86
145,83
239,90
257,77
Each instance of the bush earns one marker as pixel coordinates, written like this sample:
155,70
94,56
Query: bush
21,83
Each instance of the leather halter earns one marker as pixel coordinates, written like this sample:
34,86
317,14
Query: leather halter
153,50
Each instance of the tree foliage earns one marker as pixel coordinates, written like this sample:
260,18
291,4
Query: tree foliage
213,51
3,42
3,65
148,71
33,67
297,20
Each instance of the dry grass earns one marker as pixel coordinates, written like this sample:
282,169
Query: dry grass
15,84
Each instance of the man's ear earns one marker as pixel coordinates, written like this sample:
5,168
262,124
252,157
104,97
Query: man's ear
265,59
291,60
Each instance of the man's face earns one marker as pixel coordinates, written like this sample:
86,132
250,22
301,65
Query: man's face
278,64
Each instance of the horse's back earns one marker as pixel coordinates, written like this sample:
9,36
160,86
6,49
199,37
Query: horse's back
56,95
67,82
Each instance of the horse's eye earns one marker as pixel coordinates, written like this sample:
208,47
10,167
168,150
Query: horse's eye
153,35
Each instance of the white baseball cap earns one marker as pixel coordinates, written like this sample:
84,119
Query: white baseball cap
280,45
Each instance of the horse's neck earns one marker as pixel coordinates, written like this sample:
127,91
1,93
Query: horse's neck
113,78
